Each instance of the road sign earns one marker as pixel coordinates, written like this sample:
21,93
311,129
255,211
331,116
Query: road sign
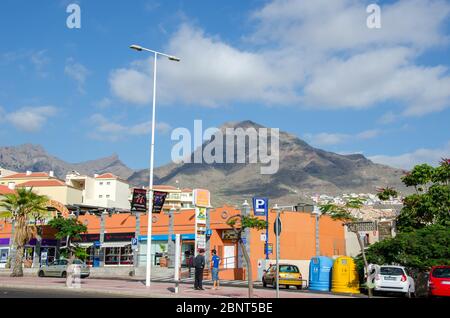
97,244
134,242
260,206
263,237
276,224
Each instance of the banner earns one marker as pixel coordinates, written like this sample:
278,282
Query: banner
158,201
139,201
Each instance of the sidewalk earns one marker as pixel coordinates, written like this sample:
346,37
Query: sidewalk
133,288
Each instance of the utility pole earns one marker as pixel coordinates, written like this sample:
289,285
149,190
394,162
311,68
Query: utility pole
277,233
136,235
170,242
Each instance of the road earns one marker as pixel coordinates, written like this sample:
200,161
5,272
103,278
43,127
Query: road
49,293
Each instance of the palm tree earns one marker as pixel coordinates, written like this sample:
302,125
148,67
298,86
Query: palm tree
21,207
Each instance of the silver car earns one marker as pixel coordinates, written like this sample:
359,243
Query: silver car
59,269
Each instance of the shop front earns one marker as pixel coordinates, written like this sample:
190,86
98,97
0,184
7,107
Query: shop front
4,251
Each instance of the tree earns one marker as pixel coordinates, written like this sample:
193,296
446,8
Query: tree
69,229
240,223
344,213
21,207
418,250
431,202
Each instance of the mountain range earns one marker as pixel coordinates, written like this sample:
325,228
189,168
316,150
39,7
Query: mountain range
303,171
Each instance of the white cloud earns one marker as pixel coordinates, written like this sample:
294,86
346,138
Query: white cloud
31,119
106,129
211,73
419,156
328,139
78,72
318,54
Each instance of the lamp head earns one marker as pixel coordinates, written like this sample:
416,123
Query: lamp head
136,47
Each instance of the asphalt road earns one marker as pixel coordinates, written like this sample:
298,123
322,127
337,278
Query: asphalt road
42,293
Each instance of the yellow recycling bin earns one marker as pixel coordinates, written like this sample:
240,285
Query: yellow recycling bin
344,276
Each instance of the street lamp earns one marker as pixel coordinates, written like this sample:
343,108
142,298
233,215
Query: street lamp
277,209
152,152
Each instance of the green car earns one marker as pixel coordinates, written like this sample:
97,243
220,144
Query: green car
59,269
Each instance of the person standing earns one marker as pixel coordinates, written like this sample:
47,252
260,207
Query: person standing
215,269
199,264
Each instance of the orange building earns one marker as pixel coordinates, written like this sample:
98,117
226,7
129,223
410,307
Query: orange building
297,240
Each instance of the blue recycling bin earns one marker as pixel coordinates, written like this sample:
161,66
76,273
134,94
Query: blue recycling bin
320,273
96,262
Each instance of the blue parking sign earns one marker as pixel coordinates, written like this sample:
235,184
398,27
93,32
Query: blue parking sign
260,206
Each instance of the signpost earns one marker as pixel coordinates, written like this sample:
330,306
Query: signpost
261,208
277,228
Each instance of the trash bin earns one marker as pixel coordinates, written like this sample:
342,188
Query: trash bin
345,277
96,262
320,273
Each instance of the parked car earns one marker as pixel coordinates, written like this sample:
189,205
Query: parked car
59,269
394,279
439,281
289,275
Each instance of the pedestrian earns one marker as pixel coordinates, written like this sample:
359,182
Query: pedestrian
199,264
215,269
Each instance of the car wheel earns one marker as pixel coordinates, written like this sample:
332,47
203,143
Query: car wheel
287,286
264,283
63,275
408,294
299,287
41,273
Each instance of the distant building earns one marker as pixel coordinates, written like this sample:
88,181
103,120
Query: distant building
105,190
54,189
6,172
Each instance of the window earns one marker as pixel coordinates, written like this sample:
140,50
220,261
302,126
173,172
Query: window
289,269
108,196
441,272
100,196
101,183
392,271
108,183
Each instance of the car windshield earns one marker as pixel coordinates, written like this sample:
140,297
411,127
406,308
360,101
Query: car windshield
78,262
63,262
441,272
393,271
288,269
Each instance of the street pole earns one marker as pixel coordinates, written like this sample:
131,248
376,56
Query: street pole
152,153
177,261
317,215
277,209
150,186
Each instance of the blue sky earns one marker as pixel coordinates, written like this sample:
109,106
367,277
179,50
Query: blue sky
311,68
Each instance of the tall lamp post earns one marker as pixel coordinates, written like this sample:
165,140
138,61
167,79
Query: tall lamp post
152,152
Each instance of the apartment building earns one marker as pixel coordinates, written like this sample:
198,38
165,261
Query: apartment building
106,190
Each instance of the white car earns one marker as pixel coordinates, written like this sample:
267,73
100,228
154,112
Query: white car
59,269
394,279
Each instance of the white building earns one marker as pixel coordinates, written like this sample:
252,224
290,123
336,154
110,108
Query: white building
106,190
6,172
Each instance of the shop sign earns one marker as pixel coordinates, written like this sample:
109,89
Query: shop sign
200,227
202,198
119,237
229,235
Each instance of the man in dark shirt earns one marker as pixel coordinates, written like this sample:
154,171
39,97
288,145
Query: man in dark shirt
199,264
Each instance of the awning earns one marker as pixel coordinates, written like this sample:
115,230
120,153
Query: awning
115,244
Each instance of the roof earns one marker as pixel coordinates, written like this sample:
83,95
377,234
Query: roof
107,176
43,183
24,175
164,187
187,190
6,190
